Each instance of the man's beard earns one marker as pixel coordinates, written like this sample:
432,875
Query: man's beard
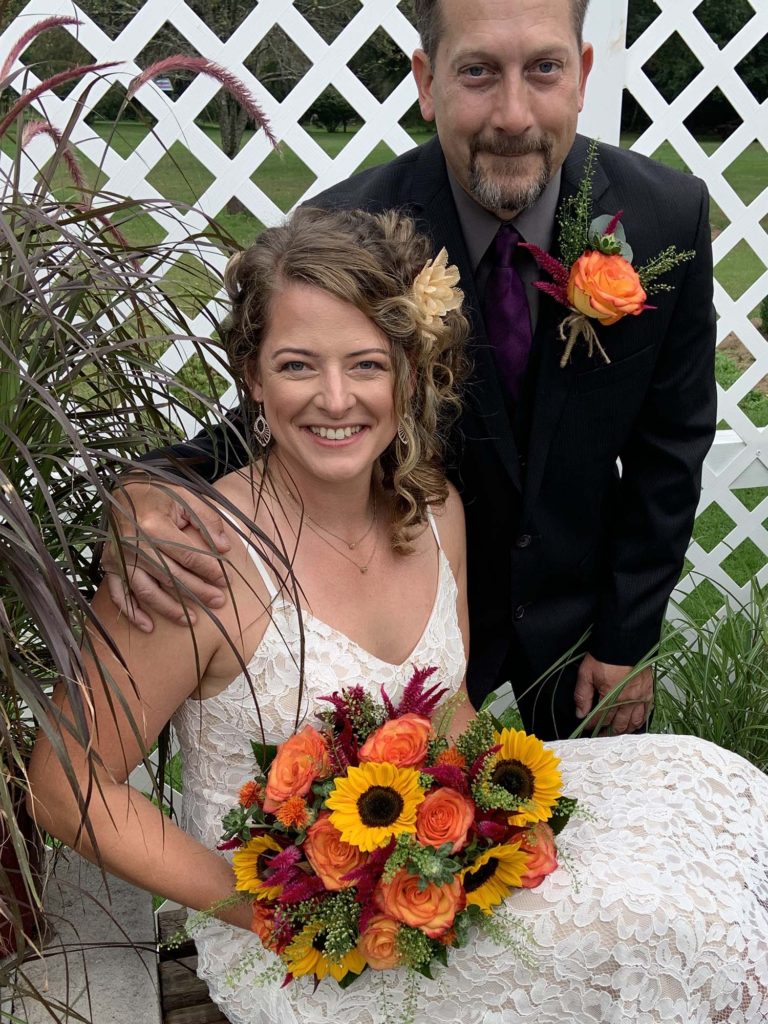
508,192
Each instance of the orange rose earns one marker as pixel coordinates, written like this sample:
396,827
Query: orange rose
378,943
329,855
605,287
298,762
444,816
539,843
432,909
402,741
262,921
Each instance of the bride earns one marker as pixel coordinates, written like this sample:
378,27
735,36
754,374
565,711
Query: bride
348,338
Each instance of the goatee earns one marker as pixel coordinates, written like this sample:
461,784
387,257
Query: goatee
509,192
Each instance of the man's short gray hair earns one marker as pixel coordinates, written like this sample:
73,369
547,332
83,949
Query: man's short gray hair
429,24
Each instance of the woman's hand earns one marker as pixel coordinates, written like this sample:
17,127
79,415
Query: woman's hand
149,563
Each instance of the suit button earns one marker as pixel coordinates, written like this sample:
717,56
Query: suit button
523,541
519,613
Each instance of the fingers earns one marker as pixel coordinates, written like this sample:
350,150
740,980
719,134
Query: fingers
205,519
124,601
145,595
584,692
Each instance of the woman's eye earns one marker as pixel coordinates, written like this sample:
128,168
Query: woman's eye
294,365
368,364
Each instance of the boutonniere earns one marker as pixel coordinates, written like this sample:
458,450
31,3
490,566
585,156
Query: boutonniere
596,279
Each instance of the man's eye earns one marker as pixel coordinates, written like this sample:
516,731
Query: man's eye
474,71
546,67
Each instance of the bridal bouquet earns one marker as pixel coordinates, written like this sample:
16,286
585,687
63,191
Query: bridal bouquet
372,842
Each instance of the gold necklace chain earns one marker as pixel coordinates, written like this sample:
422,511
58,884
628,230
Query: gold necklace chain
350,544
315,527
361,568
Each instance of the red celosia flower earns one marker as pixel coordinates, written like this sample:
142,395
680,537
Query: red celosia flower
416,700
293,813
449,775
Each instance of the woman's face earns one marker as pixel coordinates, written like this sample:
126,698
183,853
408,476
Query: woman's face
326,380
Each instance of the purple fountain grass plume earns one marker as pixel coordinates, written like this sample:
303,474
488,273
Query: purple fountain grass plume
32,32
34,128
231,83
31,95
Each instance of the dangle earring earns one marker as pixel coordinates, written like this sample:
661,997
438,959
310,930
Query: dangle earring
406,421
261,429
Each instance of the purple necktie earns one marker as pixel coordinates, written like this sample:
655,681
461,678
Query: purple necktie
507,317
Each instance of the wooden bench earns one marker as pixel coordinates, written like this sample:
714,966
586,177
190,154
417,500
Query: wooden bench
183,997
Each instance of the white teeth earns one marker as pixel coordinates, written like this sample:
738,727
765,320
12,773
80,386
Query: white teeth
337,434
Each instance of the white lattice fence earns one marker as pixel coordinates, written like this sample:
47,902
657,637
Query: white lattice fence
740,457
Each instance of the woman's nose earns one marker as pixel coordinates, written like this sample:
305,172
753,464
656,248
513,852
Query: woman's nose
336,395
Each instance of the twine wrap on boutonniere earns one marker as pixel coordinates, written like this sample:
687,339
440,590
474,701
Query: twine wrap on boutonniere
596,279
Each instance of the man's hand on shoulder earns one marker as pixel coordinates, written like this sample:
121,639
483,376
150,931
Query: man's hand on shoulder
149,561
631,704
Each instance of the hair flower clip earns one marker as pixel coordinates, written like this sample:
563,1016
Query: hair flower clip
434,290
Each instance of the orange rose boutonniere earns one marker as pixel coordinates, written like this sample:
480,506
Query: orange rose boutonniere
596,279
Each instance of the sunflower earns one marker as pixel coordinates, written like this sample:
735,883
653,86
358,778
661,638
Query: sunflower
528,770
306,955
251,863
375,802
492,874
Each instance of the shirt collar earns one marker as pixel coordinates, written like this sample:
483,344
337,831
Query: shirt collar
479,226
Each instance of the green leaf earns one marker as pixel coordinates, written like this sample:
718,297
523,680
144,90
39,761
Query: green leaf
264,754
563,810
350,978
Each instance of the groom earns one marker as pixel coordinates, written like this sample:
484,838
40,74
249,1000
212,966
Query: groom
562,540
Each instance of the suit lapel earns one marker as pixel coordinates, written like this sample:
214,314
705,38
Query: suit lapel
553,384
430,199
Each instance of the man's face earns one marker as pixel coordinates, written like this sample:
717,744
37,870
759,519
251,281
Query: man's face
505,92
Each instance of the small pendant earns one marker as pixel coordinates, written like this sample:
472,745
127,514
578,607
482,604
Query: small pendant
352,546
363,569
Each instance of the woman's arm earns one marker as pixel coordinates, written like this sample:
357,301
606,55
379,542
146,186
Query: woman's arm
453,538
133,839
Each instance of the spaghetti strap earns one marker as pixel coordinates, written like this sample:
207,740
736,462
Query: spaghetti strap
255,558
433,525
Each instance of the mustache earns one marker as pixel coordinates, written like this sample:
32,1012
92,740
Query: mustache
511,146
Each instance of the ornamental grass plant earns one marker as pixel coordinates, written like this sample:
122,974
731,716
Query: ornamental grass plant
84,317
713,678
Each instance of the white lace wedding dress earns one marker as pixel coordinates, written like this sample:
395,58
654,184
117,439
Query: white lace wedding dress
659,914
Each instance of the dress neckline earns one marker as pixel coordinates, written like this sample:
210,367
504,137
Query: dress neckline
442,565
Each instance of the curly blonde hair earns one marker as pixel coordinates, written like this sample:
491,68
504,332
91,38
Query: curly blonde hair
369,260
